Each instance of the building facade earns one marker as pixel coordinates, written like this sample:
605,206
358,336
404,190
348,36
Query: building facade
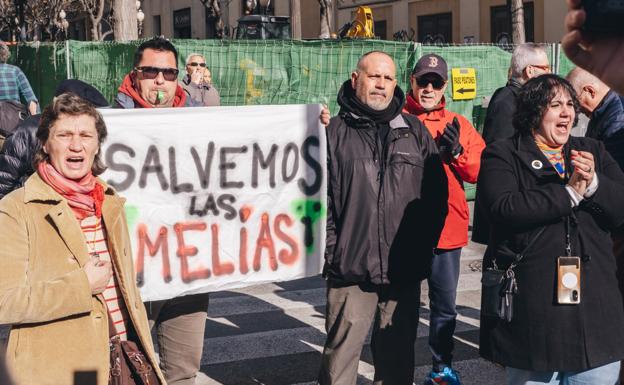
429,21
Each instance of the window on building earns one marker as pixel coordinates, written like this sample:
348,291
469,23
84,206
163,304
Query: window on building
156,25
380,29
211,25
182,23
436,28
500,23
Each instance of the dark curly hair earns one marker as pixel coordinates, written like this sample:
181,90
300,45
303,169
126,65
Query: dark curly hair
534,98
72,105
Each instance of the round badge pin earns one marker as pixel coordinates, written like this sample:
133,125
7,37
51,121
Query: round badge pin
536,164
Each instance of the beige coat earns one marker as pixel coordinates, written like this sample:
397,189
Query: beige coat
59,330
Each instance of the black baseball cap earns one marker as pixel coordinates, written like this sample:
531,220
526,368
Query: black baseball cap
431,64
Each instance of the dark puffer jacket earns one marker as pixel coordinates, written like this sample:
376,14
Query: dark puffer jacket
17,155
385,213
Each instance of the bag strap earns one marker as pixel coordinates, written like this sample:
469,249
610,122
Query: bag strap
517,257
520,255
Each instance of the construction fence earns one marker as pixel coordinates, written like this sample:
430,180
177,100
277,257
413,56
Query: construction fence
270,71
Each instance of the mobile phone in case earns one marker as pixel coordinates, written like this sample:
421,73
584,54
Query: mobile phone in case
568,280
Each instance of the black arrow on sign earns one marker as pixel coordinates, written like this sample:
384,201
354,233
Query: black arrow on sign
464,90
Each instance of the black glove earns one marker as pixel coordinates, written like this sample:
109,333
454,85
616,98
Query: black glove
448,144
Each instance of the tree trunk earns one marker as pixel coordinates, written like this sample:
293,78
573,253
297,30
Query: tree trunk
125,25
327,13
295,18
517,22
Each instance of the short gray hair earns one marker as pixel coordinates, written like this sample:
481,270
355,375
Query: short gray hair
188,58
5,54
523,56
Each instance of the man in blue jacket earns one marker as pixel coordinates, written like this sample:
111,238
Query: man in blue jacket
605,109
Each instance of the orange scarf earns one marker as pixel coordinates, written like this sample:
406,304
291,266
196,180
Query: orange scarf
85,196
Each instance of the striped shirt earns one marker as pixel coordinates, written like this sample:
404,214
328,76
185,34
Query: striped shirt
13,83
95,236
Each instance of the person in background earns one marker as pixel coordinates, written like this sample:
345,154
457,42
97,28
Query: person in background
19,149
549,195
605,109
67,283
198,82
384,178
527,61
460,147
13,83
153,82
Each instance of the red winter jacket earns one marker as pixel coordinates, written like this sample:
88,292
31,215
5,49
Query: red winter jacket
463,169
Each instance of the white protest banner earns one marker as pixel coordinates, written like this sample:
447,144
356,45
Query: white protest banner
219,197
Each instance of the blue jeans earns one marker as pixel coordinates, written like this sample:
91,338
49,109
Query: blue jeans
602,375
442,295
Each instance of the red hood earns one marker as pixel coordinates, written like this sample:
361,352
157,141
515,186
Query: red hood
414,108
126,87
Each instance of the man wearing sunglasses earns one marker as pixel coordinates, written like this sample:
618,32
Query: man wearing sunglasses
179,322
197,87
153,82
460,147
527,61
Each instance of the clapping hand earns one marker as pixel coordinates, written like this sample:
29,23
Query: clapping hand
584,171
448,144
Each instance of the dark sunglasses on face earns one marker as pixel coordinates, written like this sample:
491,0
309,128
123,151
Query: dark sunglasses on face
436,82
170,74
195,64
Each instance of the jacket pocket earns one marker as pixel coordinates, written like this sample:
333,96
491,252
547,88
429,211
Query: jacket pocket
404,175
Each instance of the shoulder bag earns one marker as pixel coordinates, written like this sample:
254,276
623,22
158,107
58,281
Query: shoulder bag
499,286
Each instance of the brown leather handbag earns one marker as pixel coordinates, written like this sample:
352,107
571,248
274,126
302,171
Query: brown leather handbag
128,365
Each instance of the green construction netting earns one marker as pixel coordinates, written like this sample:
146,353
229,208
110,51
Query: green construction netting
270,71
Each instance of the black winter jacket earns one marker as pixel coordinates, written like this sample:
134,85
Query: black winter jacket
522,196
385,214
17,155
499,113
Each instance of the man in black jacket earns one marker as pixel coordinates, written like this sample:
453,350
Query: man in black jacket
387,194
19,148
527,61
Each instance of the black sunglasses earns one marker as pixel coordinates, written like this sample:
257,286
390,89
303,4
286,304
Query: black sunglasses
436,82
195,64
170,74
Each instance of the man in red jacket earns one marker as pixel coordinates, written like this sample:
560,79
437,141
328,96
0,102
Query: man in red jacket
460,147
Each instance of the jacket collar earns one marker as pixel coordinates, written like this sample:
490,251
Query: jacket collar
61,215
535,160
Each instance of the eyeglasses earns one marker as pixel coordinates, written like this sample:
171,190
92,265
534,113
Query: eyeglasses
170,74
195,64
436,82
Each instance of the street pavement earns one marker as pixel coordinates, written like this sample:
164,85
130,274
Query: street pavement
274,333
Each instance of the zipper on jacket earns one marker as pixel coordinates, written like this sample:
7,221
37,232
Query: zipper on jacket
384,160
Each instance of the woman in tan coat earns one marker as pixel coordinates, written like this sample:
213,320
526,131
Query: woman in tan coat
66,273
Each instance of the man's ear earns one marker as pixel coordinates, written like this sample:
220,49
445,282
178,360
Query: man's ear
354,77
590,90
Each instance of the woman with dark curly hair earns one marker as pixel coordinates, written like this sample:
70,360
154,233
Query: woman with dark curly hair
553,200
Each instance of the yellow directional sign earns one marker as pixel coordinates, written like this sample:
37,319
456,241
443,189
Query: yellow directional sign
464,83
